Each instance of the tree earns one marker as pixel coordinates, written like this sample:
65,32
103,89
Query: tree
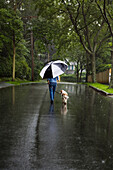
81,16
75,53
15,5
13,24
106,11
89,27
10,40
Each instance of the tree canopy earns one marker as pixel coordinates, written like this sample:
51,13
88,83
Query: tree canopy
77,30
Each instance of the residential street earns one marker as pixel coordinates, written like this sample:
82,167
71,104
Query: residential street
37,135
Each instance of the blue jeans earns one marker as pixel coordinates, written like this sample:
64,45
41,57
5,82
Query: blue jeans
52,88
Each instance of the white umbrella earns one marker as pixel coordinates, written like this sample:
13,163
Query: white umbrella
53,69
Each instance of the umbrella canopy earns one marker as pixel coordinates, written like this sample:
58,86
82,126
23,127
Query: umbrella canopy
53,69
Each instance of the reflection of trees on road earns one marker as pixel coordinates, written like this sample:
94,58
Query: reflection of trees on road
110,111
13,95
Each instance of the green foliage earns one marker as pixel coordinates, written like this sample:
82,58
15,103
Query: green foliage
38,66
5,19
23,71
6,67
68,78
103,67
52,26
10,23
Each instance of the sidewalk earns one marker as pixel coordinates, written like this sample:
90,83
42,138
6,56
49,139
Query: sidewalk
3,85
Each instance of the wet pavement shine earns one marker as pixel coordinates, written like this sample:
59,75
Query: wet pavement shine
37,135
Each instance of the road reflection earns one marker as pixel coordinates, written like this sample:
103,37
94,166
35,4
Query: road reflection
64,109
35,134
51,108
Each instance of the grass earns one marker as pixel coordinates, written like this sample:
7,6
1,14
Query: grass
101,87
22,81
18,82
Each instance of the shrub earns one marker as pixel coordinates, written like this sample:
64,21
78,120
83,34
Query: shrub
68,78
103,67
23,71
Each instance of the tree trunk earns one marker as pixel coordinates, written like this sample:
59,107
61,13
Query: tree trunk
14,52
81,75
77,73
93,68
111,82
14,45
87,66
32,54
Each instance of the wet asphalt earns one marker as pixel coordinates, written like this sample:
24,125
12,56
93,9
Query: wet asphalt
37,135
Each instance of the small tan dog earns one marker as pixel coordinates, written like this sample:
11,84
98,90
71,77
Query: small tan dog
65,96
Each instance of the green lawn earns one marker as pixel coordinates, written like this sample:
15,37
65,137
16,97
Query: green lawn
101,87
22,81
17,82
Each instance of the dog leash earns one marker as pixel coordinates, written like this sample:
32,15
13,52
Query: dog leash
57,92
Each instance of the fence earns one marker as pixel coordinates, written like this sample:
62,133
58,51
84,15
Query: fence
102,77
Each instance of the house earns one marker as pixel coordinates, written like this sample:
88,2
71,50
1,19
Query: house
71,68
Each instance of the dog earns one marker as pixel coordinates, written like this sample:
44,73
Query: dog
65,96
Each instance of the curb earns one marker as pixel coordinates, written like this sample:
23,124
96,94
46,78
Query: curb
101,91
4,85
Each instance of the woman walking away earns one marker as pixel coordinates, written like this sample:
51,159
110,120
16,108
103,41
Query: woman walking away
52,82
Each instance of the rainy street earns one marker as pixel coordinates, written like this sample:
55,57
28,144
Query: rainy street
37,135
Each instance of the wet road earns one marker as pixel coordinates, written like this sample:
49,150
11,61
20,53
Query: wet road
35,135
